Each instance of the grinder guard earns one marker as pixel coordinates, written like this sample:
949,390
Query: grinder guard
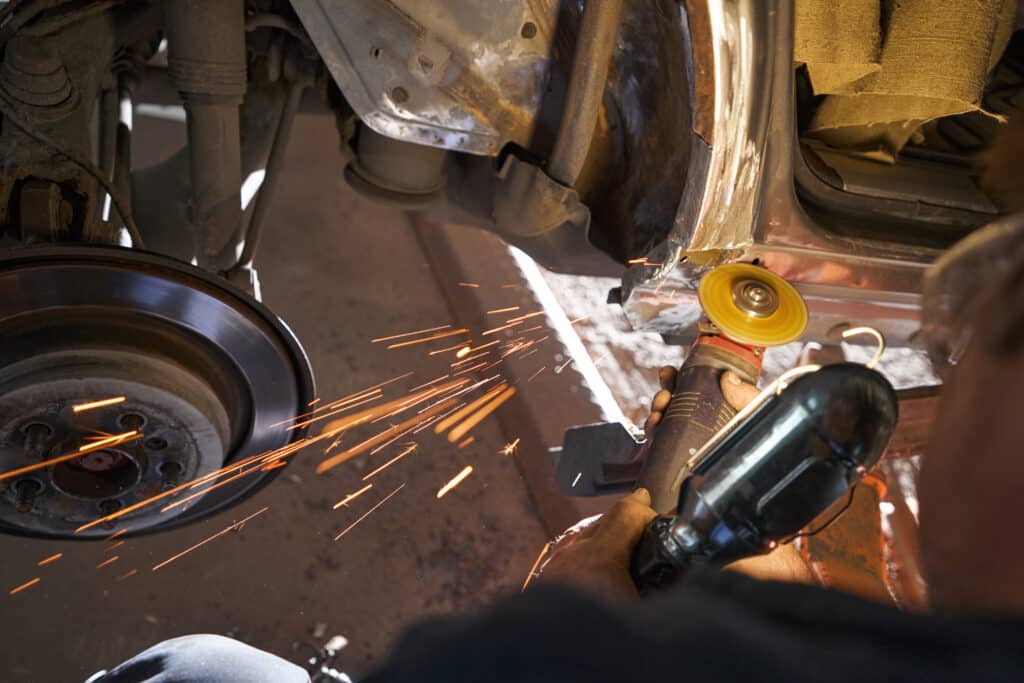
795,456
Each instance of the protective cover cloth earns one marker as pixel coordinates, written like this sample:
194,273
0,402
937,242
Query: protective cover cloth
890,66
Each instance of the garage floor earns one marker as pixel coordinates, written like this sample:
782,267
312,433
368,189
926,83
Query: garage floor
340,271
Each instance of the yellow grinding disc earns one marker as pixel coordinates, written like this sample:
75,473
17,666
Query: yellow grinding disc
752,305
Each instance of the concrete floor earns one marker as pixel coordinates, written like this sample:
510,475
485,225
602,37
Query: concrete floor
340,271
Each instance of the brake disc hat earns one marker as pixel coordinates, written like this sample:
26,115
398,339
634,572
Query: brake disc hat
961,280
202,372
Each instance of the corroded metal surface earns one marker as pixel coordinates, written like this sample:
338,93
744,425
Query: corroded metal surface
468,76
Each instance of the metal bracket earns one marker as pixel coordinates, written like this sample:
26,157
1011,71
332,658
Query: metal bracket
598,459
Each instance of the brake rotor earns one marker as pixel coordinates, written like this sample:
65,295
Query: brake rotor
752,305
198,372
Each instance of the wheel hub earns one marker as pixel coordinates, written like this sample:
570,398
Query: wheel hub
199,375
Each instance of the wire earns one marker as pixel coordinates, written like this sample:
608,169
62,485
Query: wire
846,506
115,197
871,331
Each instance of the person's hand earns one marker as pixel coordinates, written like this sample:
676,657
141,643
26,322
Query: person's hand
595,554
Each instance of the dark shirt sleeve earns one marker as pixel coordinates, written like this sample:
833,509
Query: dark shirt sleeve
714,627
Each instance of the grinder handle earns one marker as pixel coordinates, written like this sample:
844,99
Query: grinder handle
697,410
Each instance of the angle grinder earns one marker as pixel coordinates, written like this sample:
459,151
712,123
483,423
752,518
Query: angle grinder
729,485
748,308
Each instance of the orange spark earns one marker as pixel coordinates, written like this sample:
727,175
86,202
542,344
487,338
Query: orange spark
352,496
314,402
377,386
455,481
109,441
369,399
390,441
129,573
579,319
134,506
468,284
102,403
446,349
27,584
441,416
273,465
465,442
484,346
497,362
525,317
330,431
82,450
271,458
503,310
412,447
427,384
532,329
510,448
516,348
415,399
536,563
119,532
231,527
499,329
563,366
203,492
463,352
431,421
48,560
440,335
465,371
367,513
114,547
462,413
475,419
409,334
635,261
188,484
336,460
509,286
469,359
104,563
464,390
356,396
386,409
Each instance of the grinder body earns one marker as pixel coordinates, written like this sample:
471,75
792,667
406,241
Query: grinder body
792,458
696,412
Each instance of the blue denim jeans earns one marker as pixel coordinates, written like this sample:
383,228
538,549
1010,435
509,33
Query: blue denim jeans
203,658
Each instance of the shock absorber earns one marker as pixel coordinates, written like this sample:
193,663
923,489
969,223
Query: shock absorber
206,63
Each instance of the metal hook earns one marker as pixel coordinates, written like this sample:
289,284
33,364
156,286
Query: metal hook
864,329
